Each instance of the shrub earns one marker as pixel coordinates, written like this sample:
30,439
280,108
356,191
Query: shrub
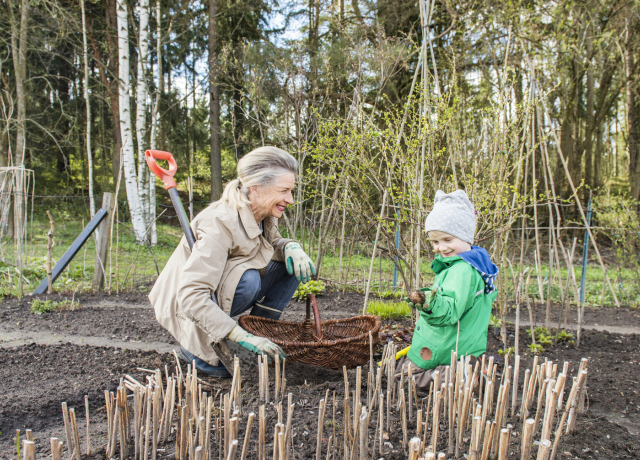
536,348
389,310
312,287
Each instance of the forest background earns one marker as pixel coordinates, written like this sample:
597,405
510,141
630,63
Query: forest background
533,107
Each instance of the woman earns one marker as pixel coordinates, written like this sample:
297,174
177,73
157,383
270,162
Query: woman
237,264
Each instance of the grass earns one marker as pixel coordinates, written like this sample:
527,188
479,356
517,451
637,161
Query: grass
46,306
389,310
132,267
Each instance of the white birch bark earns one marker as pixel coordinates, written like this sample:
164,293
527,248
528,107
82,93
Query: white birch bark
129,163
153,141
92,202
141,109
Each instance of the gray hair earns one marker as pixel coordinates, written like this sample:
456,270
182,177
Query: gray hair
261,167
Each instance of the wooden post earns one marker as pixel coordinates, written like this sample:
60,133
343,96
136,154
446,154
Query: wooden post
102,241
49,255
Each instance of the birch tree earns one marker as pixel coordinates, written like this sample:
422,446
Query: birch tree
141,109
92,203
129,164
153,139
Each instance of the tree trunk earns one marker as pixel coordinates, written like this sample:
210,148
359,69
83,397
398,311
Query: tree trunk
18,51
214,105
632,112
141,111
131,183
92,203
155,126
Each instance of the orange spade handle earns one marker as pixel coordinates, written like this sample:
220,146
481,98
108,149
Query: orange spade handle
165,176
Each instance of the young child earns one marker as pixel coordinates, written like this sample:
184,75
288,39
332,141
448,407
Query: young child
456,311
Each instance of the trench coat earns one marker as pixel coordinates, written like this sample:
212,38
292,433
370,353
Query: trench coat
228,242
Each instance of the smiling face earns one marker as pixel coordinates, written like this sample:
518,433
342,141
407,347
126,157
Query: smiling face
273,199
447,245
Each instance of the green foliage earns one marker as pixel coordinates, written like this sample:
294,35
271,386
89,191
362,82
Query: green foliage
564,336
536,348
507,351
542,336
495,321
46,306
312,287
389,310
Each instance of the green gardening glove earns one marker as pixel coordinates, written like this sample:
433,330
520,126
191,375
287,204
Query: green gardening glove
298,262
414,299
257,345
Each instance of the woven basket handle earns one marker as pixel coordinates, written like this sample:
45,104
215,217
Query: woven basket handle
311,302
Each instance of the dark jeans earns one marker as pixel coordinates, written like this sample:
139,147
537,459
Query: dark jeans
268,296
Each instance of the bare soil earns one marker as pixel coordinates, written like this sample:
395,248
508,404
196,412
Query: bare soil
36,379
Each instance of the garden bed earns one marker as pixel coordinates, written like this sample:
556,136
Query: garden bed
38,378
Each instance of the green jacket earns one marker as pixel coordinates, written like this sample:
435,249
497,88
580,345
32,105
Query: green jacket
460,299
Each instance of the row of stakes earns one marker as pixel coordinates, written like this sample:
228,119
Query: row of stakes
491,414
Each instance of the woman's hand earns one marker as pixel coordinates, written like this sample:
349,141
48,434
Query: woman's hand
257,345
299,262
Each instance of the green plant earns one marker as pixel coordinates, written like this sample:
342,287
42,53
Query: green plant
564,336
495,321
507,351
536,348
389,310
312,287
45,306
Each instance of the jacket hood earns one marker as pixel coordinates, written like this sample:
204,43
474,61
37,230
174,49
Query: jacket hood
479,259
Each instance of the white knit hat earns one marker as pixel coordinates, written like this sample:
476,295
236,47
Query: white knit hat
452,213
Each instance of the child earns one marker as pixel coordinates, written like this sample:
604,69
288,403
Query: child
456,311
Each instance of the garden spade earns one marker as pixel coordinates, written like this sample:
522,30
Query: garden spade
225,349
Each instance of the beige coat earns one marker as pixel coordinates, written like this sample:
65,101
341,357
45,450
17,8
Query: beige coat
228,242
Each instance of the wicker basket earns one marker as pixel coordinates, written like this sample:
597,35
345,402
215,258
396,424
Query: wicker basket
331,344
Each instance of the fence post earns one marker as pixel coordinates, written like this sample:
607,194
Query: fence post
102,242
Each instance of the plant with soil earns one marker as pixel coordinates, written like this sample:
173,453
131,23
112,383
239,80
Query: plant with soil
314,287
46,306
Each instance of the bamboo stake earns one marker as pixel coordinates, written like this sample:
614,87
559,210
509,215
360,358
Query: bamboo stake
571,401
67,428
56,449
476,432
75,433
414,448
503,452
86,406
550,411
247,436
452,416
490,430
277,383
233,447
436,421
364,435
403,419
381,422
262,425
321,411
544,450
514,398
527,438
29,448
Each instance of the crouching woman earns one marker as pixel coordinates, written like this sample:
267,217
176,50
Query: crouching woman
239,262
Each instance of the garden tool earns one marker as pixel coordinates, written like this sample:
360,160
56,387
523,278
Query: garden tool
225,349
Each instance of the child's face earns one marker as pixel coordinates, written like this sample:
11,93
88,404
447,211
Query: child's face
447,245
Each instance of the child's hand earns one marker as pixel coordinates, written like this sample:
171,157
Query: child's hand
419,299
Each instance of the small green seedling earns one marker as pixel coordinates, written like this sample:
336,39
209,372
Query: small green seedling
312,287
536,348
507,351
45,306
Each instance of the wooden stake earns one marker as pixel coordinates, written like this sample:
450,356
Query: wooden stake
550,412
364,435
321,411
56,449
414,448
29,448
247,436
67,428
476,433
403,419
233,447
527,438
75,433
86,406
514,398
490,432
452,416
503,451
544,450
262,425
277,383
381,422
436,422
